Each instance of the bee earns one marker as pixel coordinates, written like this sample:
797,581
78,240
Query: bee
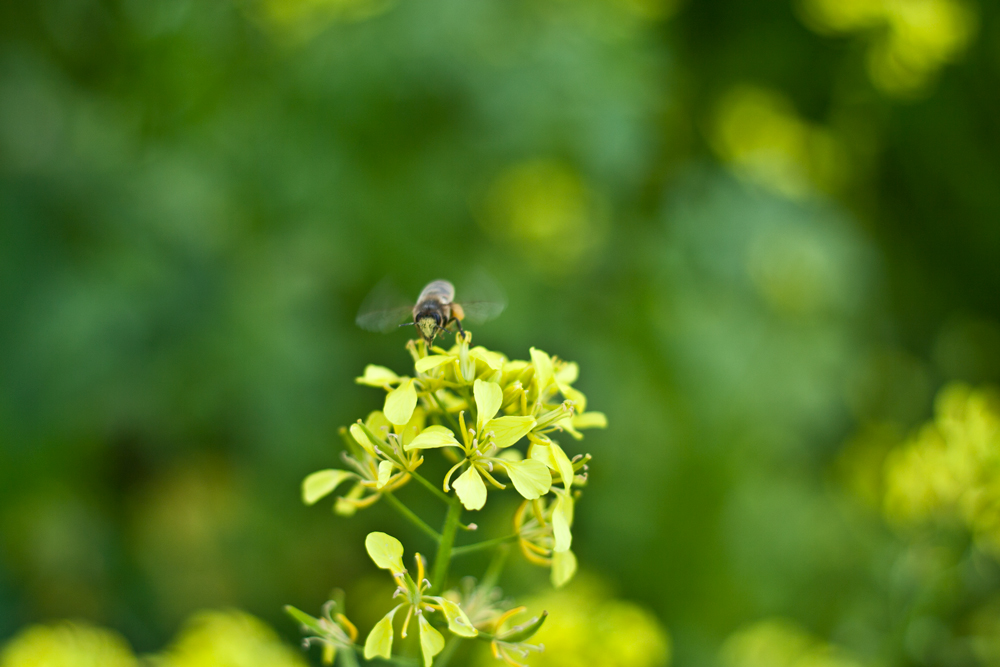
434,312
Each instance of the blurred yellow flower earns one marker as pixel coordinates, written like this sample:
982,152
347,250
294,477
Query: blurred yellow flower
760,135
910,40
67,645
950,470
545,210
230,638
586,626
780,643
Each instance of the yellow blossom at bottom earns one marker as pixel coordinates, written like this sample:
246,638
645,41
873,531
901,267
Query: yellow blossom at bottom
67,645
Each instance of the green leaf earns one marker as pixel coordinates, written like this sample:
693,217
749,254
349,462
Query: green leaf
470,489
489,397
377,376
322,483
433,361
563,568
508,430
458,623
530,477
386,551
399,403
434,436
431,641
379,642
384,473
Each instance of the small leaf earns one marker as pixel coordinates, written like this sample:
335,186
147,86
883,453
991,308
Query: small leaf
563,568
384,473
386,551
377,376
489,397
508,430
530,477
379,642
470,489
431,641
458,623
433,361
399,403
433,436
322,483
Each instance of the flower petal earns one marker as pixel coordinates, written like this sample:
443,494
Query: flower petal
543,368
386,551
555,458
489,397
508,430
362,439
399,403
384,473
377,376
379,642
434,436
458,623
433,361
562,519
530,477
590,420
470,489
431,641
322,483
563,568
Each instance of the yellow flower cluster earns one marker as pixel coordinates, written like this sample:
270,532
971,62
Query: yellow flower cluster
911,40
780,643
950,470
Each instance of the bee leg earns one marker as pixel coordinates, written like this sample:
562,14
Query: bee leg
458,323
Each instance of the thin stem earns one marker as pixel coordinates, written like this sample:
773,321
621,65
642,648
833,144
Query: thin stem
445,656
430,487
479,546
444,411
409,514
348,658
492,574
443,558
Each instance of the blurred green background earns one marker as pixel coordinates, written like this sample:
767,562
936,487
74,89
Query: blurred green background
768,231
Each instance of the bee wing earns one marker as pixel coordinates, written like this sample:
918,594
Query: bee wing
384,309
481,298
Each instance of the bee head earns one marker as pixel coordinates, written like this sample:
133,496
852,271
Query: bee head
428,324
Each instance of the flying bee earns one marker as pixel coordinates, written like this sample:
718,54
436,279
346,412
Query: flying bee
435,310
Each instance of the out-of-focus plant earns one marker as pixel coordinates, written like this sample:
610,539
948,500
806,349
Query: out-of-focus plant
214,638
474,406
590,627
950,470
780,643
67,645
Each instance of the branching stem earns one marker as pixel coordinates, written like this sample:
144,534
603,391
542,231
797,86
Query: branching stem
479,546
411,516
443,558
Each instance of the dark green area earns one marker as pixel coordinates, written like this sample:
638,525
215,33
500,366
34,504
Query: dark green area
195,200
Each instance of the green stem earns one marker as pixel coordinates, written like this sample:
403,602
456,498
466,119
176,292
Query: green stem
430,487
492,574
444,411
409,514
348,658
479,546
444,657
443,558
